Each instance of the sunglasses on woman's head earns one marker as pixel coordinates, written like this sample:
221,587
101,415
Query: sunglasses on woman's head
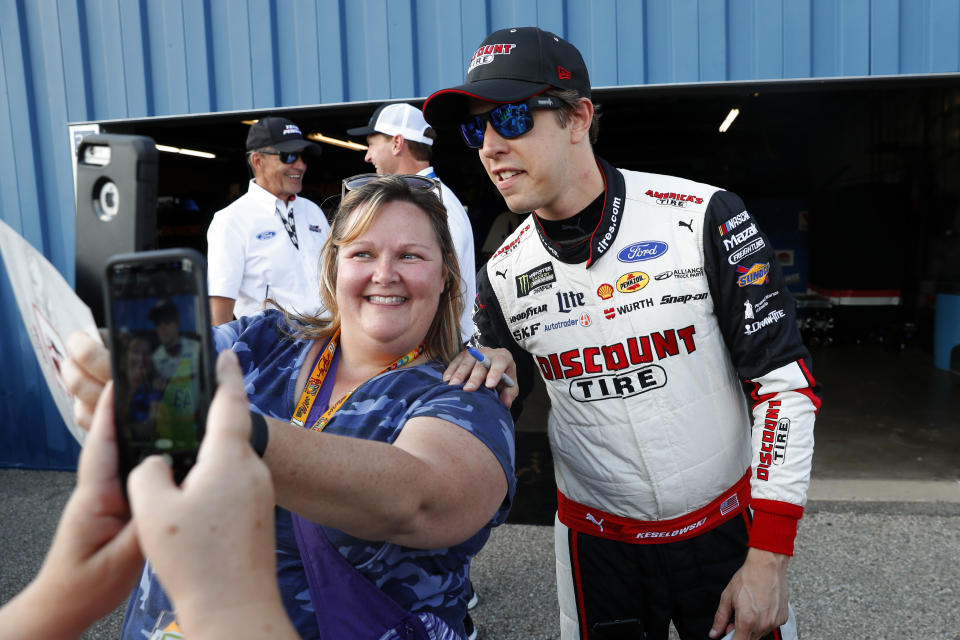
286,157
413,181
510,120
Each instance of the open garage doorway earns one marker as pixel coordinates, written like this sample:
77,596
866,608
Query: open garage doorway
855,181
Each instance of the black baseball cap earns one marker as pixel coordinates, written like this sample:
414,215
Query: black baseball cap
279,133
512,65
162,311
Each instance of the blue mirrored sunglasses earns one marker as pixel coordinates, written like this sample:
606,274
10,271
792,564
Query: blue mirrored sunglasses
286,157
510,120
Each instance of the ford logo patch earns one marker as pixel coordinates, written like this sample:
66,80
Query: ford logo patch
266,235
640,251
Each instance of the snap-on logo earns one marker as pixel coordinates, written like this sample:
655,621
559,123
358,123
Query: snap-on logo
266,235
644,250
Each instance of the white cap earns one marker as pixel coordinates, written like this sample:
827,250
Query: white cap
391,119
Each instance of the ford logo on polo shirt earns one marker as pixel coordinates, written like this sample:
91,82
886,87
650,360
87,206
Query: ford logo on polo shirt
266,235
644,250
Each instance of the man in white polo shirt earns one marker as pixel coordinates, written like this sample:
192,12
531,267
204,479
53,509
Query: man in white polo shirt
399,140
266,244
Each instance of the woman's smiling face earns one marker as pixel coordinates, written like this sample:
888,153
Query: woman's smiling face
389,279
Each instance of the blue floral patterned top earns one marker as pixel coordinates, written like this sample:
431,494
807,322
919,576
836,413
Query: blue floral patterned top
431,581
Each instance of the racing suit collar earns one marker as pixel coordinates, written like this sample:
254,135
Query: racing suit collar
603,235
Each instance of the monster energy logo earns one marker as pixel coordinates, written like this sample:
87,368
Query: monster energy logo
534,278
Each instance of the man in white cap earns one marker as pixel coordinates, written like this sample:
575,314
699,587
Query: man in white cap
266,244
399,140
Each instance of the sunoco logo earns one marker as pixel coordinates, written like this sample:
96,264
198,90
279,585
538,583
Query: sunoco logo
537,277
640,251
632,282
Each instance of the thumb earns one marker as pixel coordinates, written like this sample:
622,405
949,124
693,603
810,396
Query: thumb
150,486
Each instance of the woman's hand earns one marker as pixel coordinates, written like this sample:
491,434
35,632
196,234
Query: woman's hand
466,369
211,540
94,559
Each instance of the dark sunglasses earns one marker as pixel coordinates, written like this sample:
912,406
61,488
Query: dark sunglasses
413,181
286,157
510,120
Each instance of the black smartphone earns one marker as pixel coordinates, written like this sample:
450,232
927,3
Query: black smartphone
162,357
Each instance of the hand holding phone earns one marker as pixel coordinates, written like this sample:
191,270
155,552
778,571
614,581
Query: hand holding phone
161,355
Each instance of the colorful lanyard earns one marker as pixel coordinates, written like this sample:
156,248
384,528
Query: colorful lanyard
319,376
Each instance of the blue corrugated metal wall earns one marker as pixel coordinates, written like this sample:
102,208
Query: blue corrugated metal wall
78,60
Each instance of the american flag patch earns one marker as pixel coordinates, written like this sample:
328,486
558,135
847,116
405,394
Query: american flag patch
729,504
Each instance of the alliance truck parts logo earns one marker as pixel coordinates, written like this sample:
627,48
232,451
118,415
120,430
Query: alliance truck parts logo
611,363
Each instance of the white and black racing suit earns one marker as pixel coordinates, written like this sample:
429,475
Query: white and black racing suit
647,337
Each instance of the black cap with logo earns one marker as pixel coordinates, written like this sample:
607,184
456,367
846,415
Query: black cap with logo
512,65
279,133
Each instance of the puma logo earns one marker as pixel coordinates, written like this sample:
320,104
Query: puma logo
688,225
502,274
599,523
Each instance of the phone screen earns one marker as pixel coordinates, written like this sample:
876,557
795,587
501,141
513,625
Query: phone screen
159,334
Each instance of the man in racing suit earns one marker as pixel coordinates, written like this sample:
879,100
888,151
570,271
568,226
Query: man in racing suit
650,304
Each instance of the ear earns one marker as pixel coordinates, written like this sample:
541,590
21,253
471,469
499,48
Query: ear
580,120
256,162
396,144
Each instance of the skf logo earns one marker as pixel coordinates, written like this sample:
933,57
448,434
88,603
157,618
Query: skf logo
605,291
757,275
733,223
526,332
266,235
535,278
568,300
776,431
673,199
632,282
487,54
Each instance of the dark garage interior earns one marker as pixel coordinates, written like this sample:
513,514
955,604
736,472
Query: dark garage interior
854,180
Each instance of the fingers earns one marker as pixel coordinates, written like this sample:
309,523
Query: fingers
459,368
149,485
721,619
229,415
90,354
98,459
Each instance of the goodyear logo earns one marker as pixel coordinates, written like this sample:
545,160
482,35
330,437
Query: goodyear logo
632,282
757,274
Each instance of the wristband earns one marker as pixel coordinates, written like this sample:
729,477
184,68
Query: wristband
259,434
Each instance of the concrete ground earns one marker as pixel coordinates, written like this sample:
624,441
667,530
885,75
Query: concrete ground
876,553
